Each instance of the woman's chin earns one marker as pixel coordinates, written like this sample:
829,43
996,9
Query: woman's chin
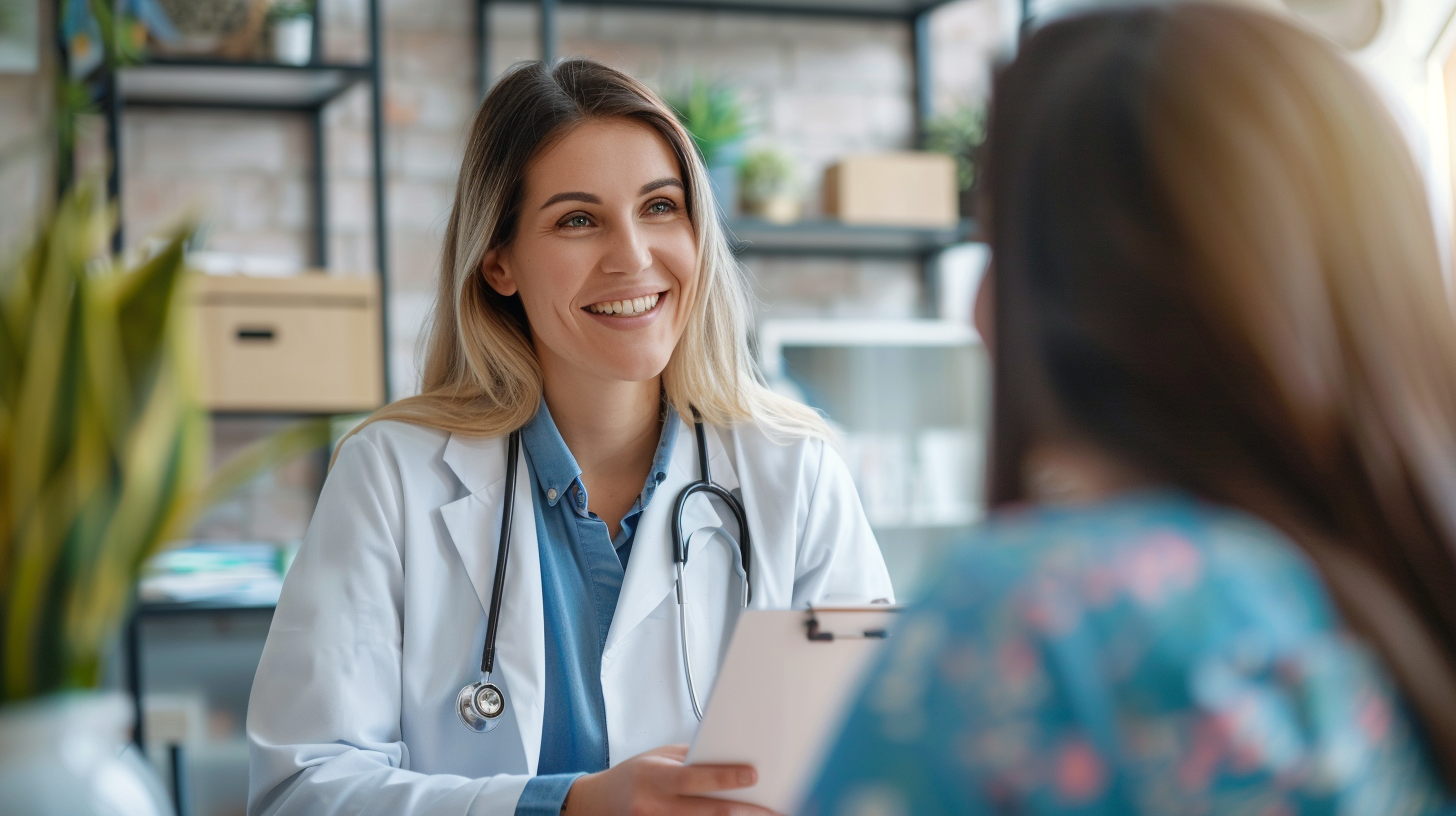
631,368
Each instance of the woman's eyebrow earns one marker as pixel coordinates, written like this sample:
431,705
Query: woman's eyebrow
659,184
584,197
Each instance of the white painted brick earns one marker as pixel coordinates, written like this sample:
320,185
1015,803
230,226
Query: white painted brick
645,61
184,143
865,66
964,35
432,55
291,244
351,251
294,203
246,204
430,105
419,204
428,15
415,256
350,152
425,156
652,25
351,204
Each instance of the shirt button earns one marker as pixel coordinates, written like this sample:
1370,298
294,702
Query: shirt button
551,494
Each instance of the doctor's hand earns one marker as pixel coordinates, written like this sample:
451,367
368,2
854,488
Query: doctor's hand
657,782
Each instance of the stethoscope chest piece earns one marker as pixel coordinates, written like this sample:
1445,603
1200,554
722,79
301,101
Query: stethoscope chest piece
480,706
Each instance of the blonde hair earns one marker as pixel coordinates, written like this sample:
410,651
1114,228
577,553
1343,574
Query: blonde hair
481,374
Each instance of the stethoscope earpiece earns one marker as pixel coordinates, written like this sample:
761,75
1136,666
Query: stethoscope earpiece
480,706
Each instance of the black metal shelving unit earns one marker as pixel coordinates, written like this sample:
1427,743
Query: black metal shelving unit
165,83
210,84
807,238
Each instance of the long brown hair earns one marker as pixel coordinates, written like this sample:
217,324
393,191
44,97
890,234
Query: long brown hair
481,375
1215,260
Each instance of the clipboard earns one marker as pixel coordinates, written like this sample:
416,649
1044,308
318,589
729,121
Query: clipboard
785,682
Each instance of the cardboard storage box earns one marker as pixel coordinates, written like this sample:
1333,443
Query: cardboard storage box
306,343
911,189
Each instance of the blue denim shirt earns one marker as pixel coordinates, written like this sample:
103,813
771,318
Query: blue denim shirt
582,568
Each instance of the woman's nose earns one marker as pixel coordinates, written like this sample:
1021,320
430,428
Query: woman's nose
628,250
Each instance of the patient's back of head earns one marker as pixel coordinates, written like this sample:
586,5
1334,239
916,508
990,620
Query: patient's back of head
1223,457
1214,261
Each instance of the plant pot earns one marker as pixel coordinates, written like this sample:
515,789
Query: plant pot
72,754
203,25
724,180
293,40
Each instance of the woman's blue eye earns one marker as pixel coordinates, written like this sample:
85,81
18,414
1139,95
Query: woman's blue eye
578,221
659,207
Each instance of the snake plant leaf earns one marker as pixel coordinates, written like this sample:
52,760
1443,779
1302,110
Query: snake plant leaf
145,304
104,445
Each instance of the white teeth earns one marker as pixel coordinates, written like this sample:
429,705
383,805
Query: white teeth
629,308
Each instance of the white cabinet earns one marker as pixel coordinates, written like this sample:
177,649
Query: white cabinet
910,400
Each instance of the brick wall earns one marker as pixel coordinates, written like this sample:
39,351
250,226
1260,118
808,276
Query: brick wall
816,89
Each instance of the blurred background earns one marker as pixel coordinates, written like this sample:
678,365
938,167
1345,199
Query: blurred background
318,144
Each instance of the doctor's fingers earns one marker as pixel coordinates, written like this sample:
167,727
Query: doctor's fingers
692,780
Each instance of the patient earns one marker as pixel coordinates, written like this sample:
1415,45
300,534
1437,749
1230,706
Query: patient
1220,575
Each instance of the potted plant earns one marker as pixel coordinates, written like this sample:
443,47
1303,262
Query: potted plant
767,183
714,117
103,458
291,23
959,133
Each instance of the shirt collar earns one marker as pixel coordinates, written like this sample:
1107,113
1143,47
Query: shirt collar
663,458
556,469
552,461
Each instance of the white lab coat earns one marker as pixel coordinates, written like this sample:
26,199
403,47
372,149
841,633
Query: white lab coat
382,616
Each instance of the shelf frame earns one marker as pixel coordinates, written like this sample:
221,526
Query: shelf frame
331,79
776,335
108,87
827,238
913,13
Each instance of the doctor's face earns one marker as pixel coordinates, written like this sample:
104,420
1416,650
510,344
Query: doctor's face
604,257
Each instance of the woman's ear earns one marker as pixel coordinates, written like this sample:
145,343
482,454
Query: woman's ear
495,266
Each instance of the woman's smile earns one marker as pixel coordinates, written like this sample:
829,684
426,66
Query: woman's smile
626,307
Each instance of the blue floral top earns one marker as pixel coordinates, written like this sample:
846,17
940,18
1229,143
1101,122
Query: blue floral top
1153,655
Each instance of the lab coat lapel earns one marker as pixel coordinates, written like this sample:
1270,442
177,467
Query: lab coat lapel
650,569
474,525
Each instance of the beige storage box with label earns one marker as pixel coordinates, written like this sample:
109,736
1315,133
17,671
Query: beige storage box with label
308,343
910,189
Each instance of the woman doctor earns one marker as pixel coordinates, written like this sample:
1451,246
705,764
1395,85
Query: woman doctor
589,301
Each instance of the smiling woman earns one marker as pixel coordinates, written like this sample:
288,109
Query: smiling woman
589,310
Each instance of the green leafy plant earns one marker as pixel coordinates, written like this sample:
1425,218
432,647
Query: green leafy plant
289,10
713,115
764,174
104,446
958,133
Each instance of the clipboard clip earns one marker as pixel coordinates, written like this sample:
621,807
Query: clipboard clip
817,634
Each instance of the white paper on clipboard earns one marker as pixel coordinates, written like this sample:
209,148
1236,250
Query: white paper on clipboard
779,696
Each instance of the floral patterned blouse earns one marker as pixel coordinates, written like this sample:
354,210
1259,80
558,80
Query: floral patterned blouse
1150,656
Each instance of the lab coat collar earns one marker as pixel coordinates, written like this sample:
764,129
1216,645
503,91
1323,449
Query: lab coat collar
474,526
650,571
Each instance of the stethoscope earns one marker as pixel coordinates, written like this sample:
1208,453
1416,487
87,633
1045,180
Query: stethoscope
481,704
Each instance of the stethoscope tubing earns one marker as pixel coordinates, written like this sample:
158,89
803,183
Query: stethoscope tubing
487,654
468,704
